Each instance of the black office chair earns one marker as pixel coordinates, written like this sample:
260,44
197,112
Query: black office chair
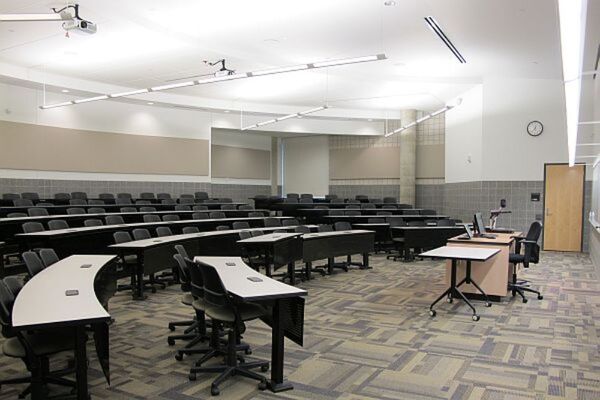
57,224
128,209
141,234
409,211
375,201
129,261
124,196
353,213
336,200
428,212
404,206
187,200
96,210
190,229
389,207
446,222
106,196
22,203
171,218
48,257
114,220
336,212
291,200
16,215
368,206
33,263
222,228
223,311
321,207
228,207
530,254
182,207
201,195
331,196
163,231
390,200
241,225
148,218
96,202
272,222
79,195
325,228
306,196
32,227
147,196
397,238
361,197
306,200
10,196
32,347
143,202
246,207
186,196
37,212
163,196
353,207
199,215
200,208
290,222
61,196
147,209
257,232
302,229
92,222
216,215
78,202
385,213
256,214
75,211
292,195
123,201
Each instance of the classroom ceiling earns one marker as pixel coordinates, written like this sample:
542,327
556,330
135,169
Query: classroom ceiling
141,43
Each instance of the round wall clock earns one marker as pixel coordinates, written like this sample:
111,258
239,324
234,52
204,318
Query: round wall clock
535,128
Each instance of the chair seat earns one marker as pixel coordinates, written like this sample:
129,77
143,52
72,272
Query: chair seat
515,258
398,240
187,299
199,305
43,343
248,311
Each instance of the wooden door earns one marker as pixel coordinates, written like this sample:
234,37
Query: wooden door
563,207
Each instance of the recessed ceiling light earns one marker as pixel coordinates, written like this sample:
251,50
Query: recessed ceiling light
150,103
65,90
389,3
271,41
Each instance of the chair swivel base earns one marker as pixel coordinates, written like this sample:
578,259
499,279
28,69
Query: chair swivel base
520,289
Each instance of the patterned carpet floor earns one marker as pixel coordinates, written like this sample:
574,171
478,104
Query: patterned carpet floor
368,335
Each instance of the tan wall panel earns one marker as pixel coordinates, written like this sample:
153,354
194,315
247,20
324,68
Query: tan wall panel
45,148
239,162
430,161
364,163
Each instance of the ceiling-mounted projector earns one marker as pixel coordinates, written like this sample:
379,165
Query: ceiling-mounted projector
79,25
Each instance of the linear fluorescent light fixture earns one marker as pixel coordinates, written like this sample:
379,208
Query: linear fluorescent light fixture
241,75
422,119
31,17
438,31
571,15
296,115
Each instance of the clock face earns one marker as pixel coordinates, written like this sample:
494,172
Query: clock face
535,128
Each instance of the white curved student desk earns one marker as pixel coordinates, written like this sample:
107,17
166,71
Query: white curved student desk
43,304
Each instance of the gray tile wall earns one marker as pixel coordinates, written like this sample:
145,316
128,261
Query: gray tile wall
374,191
238,192
430,196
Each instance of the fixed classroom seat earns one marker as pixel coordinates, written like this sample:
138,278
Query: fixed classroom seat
200,208
106,196
162,196
171,218
92,222
96,210
302,229
389,200
96,202
228,207
33,263
245,207
11,196
151,218
256,214
290,222
124,196
199,215
182,207
366,206
163,231
222,228
272,222
141,234
291,200
79,195
62,196
292,195
37,212
22,203
147,196
306,200
75,211
241,225
306,196
127,209
114,220
57,224
147,209
143,202
168,201
34,196
78,202
48,257
16,215
190,229
123,200
217,215
201,195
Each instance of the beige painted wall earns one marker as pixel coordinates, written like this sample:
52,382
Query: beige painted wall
240,163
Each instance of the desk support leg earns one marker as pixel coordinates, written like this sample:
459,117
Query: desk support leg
365,264
138,292
81,363
292,272
267,264
308,271
330,266
277,383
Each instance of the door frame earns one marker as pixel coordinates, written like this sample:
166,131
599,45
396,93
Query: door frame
582,204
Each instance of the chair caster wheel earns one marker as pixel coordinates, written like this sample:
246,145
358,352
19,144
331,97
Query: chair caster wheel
432,313
171,328
171,342
215,391
524,300
262,385
475,317
248,351
264,368
540,297
449,300
192,377
179,356
488,304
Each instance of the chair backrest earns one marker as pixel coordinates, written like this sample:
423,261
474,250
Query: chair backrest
48,257
272,222
337,201
181,251
143,202
186,196
127,209
389,207
325,228
199,215
147,196
396,221
121,237
428,212
223,228
331,196
292,195
201,195
361,197
321,207
228,207
389,200
79,195
353,213
375,200
151,218
336,212
32,262
163,231
257,232
291,200
302,229
196,278
200,208
96,202
404,206
7,300
162,196
32,227
306,196
106,196
16,215
62,196
186,200
290,222
78,202
147,209
211,201
96,210
44,204
182,207
75,210
22,203
408,211
353,207
376,220
123,200
11,196
306,200
171,217
446,222
141,234
217,215
245,235
256,214
384,213
241,225
342,226
37,212
184,273
92,222
190,229
532,250
368,206
417,223
168,201
30,195
215,294
114,220
124,196
57,224
246,207
14,284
